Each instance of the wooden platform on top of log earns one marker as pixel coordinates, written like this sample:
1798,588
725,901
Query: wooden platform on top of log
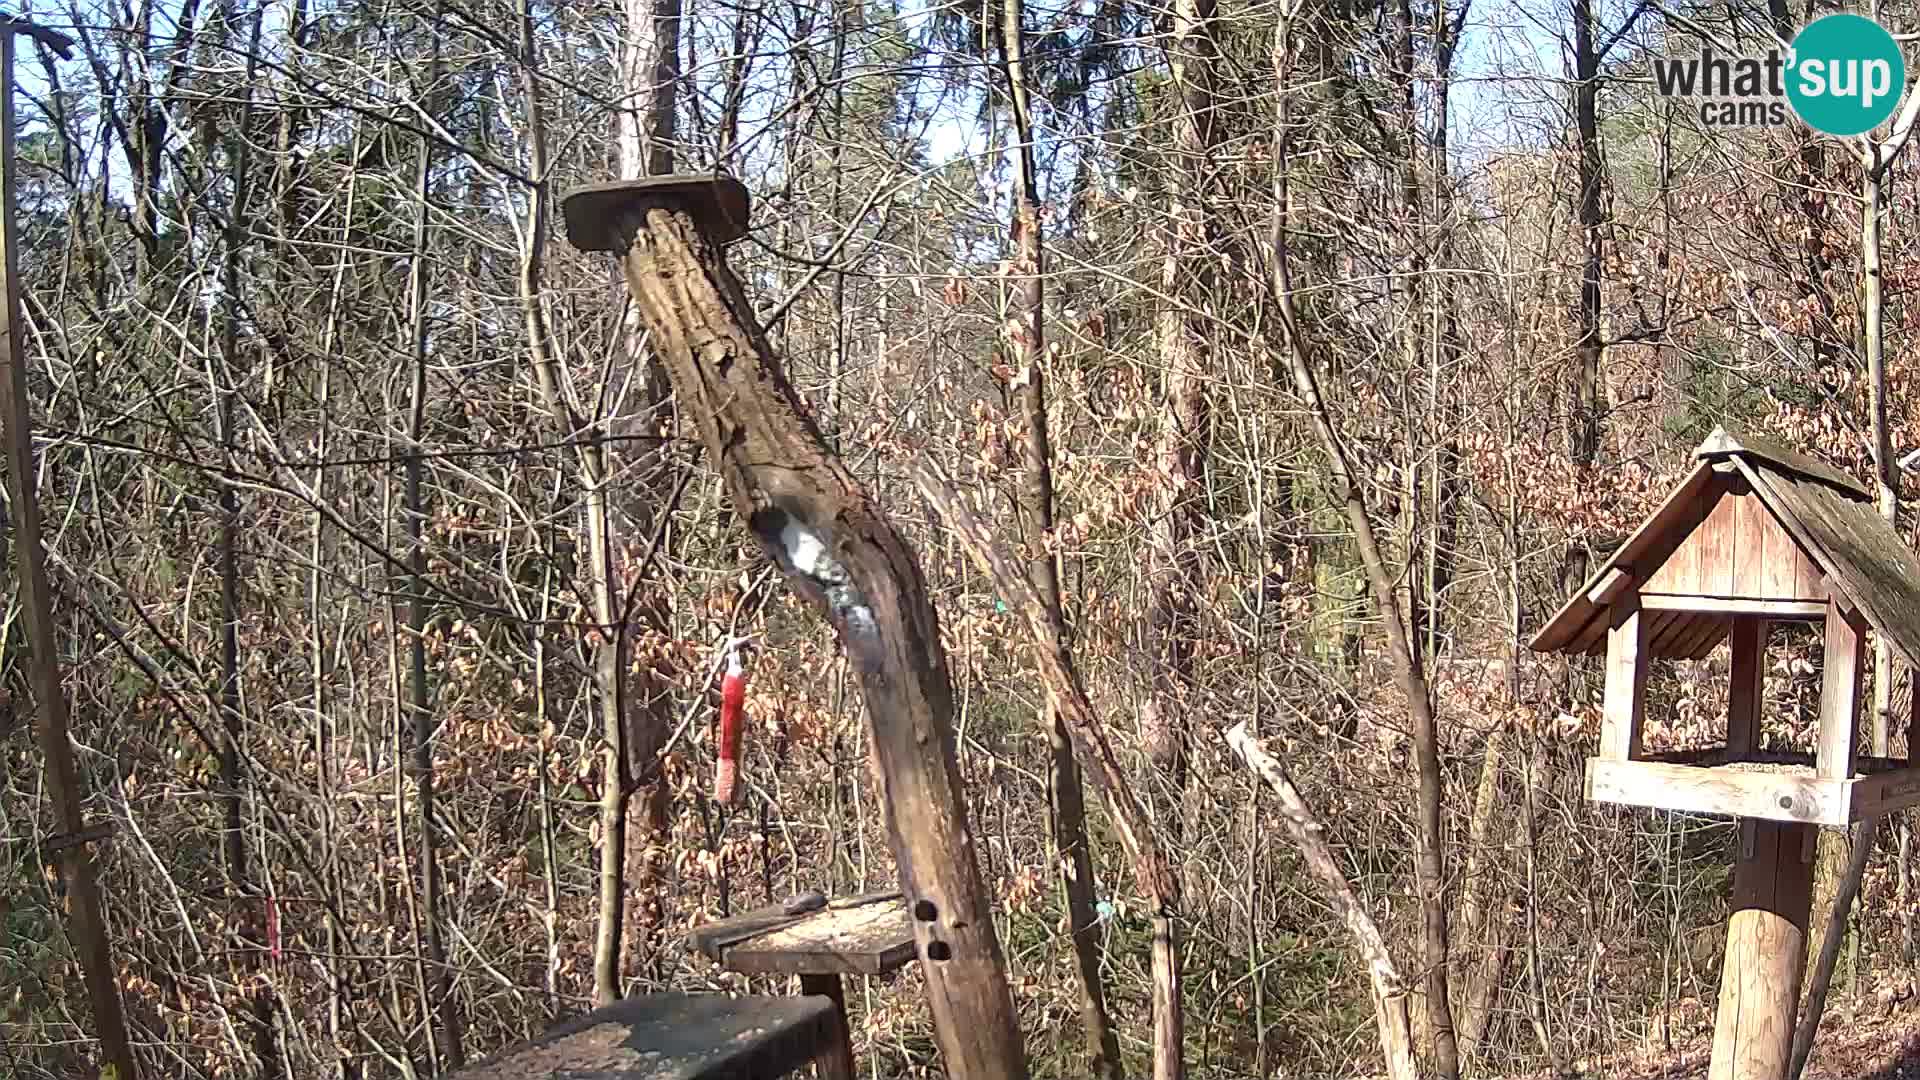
818,940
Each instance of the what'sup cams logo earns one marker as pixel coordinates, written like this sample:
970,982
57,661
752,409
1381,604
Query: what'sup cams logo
1842,75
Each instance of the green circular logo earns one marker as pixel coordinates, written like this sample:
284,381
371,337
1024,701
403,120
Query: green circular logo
1845,75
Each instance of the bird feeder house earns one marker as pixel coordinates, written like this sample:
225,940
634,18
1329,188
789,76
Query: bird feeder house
1754,535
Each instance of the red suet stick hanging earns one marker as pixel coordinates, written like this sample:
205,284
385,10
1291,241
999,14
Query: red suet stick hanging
733,701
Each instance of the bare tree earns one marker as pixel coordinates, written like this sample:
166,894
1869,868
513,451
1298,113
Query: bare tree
1412,682
1026,343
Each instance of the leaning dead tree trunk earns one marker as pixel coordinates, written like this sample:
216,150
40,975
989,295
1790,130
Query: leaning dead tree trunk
1309,836
86,922
839,551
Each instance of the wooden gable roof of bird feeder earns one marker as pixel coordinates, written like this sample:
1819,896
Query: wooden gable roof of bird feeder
1754,534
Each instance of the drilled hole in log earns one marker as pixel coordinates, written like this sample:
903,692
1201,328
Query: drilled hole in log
925,911
939,950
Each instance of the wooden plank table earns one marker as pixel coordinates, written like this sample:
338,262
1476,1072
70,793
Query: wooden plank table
820,941
676,1037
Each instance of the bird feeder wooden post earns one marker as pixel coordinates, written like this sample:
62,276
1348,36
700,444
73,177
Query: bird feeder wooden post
838,550
1756,534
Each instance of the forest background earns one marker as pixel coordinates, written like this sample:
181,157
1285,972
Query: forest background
375,539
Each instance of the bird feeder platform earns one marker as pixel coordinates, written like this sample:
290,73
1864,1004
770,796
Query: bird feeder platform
820,941
1755,535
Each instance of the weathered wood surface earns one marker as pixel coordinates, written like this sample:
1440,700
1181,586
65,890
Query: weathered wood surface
836,1061
1883,793
1723,555
1738,549
1626,691
673,1037
1776,790
1861,555
1723,444
1766,953
1580,626
839,551
872,939
1769,795
1746,694
1726,607
1863,764
1841,670
713,939
1780,527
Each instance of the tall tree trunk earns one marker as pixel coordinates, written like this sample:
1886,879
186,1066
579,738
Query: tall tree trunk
1885,479
338,1007
1026,341
1171,623
1170,628
443,1006
241,890
1444,340
86,920
1300,351
1584,447
633,718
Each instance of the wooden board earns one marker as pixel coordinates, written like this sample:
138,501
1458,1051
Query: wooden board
1626,689
1680,571
871,939
1782,610
1689,788
1705,632
1746,694
1738,549
1709,787
1841,671
1663,630
1884,793
674,1037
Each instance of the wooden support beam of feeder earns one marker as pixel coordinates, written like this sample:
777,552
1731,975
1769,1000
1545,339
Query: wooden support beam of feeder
1749,672
675,1037
1840,678
839,551
1626,694
1766,952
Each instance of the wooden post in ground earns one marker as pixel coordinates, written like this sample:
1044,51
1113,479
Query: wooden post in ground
837,549
86,924
1766,952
